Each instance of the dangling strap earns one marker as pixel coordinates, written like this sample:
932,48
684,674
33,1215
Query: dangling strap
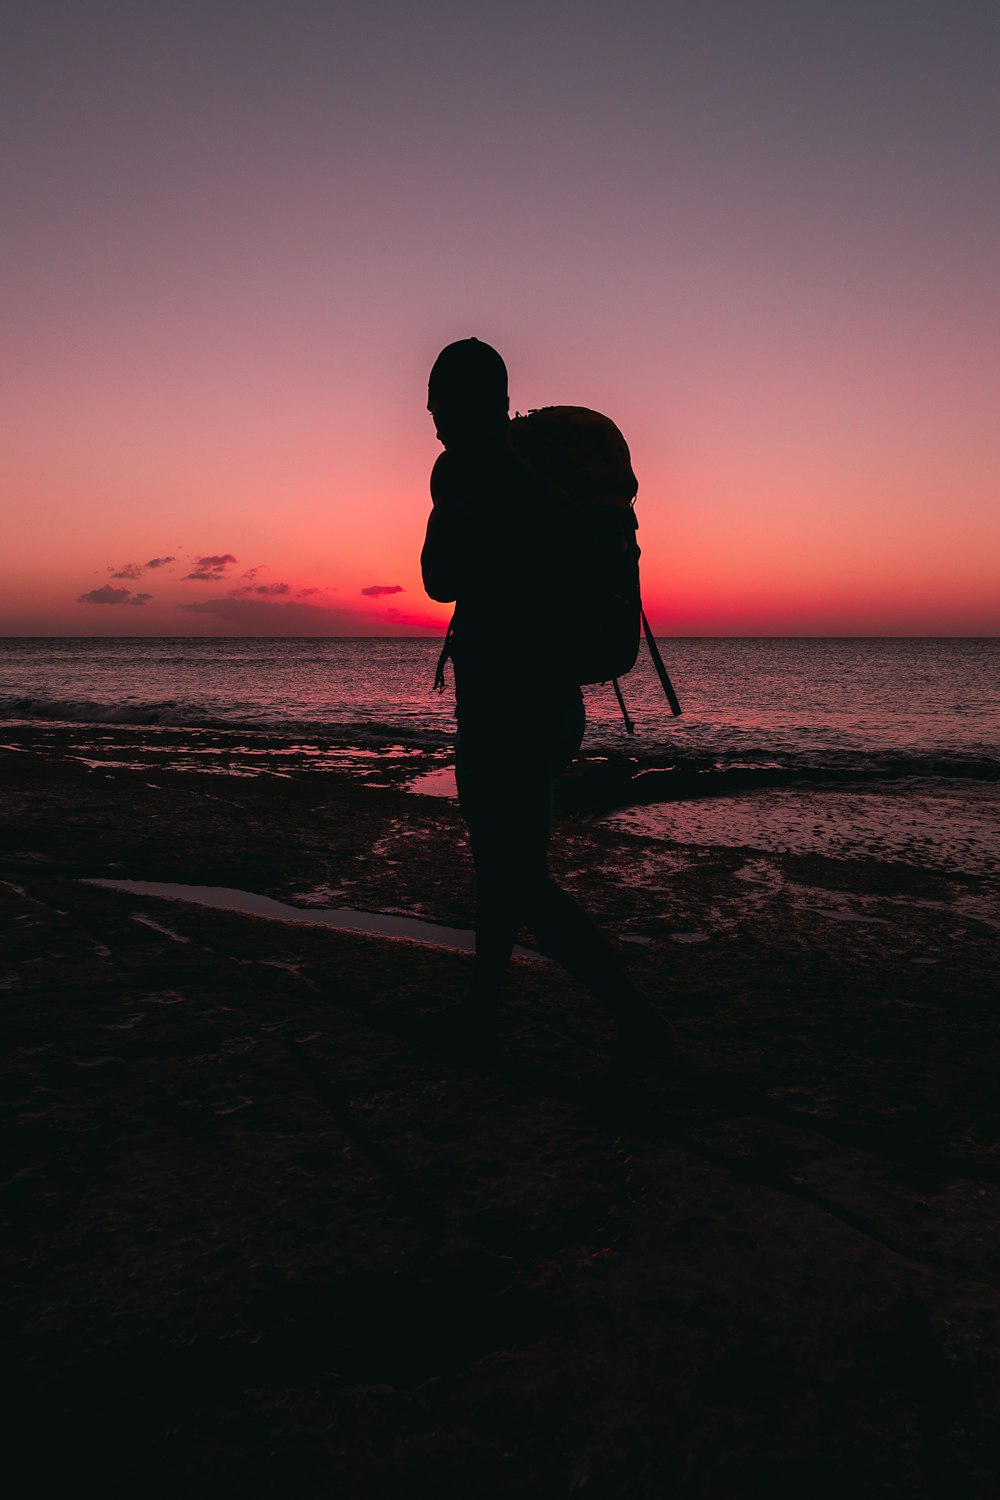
661,670
629,723
439,682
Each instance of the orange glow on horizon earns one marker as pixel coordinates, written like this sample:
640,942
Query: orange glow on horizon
231,356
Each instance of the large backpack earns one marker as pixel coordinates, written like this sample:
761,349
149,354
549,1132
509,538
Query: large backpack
585,465
583,455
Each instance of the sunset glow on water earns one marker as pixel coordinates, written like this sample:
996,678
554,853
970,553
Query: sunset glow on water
852,747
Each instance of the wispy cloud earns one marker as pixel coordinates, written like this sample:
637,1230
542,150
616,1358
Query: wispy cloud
263,589
271,617
211,568
375,589
139,599
136,570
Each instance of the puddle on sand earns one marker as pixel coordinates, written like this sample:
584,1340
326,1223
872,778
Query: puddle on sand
344,918
437,783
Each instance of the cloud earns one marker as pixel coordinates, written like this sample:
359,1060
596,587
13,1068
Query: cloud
252,572
139,599
210,569
375,589
304,593
263,589
136,570
404,622
106,595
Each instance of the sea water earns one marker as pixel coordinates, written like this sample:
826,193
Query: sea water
850,746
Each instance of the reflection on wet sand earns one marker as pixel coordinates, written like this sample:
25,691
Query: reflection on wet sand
343,918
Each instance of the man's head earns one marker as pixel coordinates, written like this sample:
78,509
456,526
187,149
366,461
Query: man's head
467,392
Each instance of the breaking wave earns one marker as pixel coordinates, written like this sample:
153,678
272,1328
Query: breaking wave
174,714
612,770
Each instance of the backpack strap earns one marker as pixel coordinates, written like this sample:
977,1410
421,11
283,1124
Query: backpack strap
629,723
661,670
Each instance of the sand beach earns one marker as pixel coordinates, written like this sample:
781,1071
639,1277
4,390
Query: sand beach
268,1234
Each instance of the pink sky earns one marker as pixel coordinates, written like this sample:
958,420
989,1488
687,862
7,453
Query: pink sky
764,241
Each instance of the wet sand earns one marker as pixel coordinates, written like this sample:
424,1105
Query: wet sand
266,1234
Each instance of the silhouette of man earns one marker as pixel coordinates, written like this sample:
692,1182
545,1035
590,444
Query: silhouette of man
493,546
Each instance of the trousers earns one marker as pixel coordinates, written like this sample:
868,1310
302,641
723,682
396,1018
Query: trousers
509,750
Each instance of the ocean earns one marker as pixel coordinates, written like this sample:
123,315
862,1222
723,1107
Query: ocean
854,748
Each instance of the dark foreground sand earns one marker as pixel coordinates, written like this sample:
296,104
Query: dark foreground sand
266,1235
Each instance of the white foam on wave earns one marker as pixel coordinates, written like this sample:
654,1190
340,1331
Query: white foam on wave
364,736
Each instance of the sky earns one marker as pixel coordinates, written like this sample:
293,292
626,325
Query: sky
762,235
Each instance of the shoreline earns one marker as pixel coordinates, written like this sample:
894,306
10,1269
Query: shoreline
269,1235
939,809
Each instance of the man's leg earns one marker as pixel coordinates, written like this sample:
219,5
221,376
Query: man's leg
505,806
566,934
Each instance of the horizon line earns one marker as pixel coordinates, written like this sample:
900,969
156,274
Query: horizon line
735,636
